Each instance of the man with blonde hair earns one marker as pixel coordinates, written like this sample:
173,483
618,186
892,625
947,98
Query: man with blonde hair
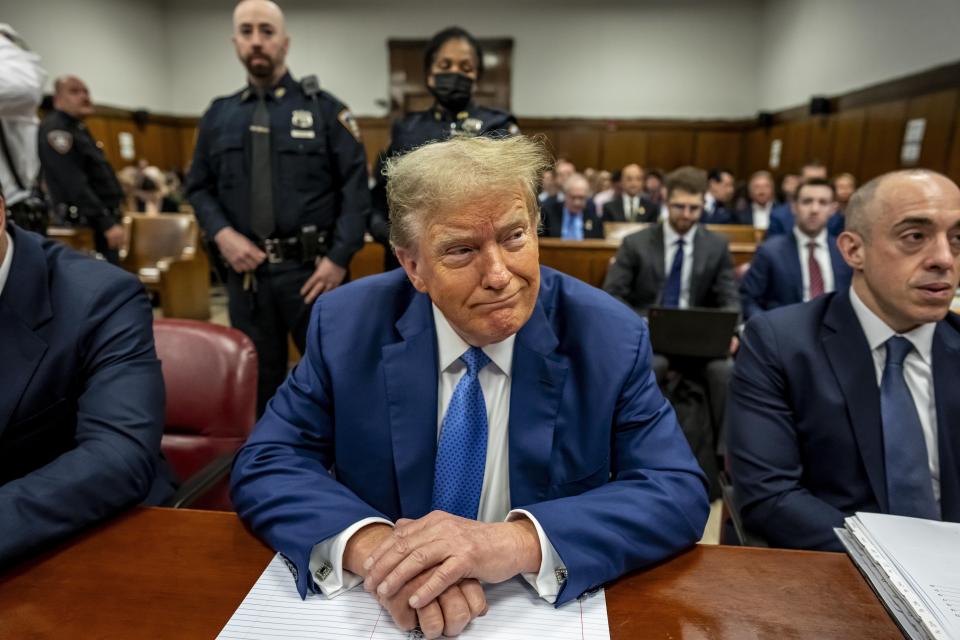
479,417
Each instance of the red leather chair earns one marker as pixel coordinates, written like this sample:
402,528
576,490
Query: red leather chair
210,372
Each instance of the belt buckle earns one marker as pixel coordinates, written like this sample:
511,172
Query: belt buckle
273,250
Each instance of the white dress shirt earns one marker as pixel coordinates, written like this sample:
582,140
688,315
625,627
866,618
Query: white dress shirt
917,372
761,215
7,261
670,238
21,89
821,254
326,558
630,204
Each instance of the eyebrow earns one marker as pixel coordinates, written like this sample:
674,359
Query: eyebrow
915,221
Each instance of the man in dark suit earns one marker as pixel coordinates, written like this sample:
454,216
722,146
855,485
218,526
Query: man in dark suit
848,403
678,263
801,265
718,201
502,416
574,218
781,218
632,205
81,393
759,208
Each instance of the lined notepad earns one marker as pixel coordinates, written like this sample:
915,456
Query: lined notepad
273,609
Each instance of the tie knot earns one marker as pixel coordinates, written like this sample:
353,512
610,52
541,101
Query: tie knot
475,359
812,245
898,348
680,242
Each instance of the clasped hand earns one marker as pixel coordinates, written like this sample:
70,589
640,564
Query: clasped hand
428,570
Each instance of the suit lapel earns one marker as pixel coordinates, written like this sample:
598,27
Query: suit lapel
794,273
849,354
536,390
655,251
21,349
410,368
701,245
946,372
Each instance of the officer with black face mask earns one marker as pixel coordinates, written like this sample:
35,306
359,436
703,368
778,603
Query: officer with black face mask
453,62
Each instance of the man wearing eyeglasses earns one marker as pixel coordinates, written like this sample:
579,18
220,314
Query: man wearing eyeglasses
678,263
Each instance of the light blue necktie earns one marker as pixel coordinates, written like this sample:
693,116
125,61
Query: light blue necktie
671,291
909,488
462,449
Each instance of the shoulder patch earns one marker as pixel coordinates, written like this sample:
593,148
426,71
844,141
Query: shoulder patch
349,123
60,140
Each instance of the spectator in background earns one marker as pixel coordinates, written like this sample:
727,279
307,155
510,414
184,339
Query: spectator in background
611,192
788,188
599,184
758,211
174,187
844,185
574,218
590,174
563,170
653,187
21,90
152,192
548,185
800,265
128,177
631,206
717,200
81,182
781,219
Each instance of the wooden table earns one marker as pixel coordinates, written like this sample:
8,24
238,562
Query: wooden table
158,573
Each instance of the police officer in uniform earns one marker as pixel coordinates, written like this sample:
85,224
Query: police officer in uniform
453,63
82,185
279,183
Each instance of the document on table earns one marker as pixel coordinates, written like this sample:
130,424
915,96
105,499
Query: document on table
914,565
273,609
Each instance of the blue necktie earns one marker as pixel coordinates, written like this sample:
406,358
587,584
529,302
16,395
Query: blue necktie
671,291
909,489
462,450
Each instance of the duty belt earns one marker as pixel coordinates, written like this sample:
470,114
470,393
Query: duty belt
306,247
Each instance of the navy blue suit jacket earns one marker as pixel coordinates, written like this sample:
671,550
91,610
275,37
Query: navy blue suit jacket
551,214
81,395
781,220
596,453
804,434
774,278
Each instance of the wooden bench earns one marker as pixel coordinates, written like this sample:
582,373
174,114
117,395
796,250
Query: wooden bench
165,252
78,238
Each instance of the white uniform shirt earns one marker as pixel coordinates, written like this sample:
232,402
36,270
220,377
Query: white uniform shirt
21,89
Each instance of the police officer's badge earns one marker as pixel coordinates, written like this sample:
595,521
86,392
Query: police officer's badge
61,141
301,124
350,124
472,126
588,225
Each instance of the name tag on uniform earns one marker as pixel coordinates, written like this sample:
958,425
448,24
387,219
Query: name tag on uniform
303,133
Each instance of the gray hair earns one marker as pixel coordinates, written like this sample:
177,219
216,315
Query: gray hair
441,176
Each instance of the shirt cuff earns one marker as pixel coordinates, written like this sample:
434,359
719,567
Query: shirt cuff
553,573
326,561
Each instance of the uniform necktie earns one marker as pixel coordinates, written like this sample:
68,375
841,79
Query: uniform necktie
462,449
909,488
261,179
813,266
671,291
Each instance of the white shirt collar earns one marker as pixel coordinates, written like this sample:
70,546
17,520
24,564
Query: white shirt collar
762,207
878,332
802,239
670,235
709,201
451,346
7,261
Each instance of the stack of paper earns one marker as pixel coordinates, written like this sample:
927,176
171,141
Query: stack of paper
914,566
273,609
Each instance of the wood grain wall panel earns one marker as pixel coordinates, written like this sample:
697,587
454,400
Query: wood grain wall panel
721,149
847,140
188,140
670,149
756,150
375,133
883,137
100,130
622,147
953,164
796,141
939,109
820,145
579,144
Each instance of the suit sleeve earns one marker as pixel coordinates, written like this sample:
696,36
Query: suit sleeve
655,504
120,418
201,187
69,172
753,287
725,284
621,274
281,483
764,450
349,162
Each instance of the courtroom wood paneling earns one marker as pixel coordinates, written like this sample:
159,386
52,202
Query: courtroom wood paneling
756,150
670,149
939,110
579,144
796,138
847,141
722,149
375,133
820,141
883,137
624,146
953,165
188,140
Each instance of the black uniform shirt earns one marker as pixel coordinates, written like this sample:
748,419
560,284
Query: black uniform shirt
319,168
77,172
